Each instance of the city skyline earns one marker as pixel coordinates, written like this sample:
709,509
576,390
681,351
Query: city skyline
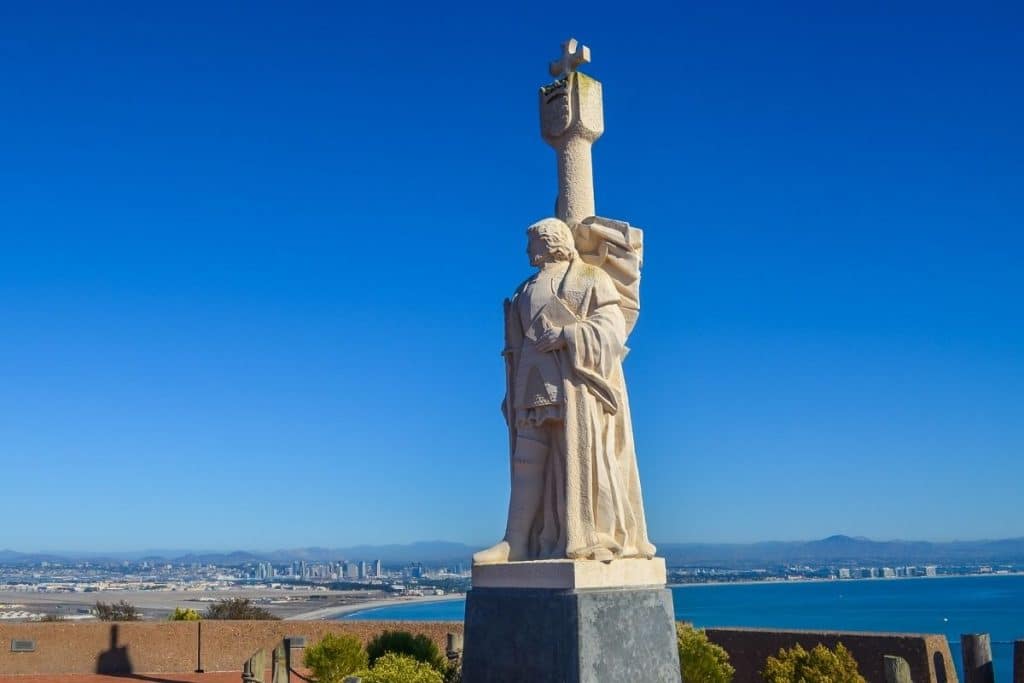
225,236
432,549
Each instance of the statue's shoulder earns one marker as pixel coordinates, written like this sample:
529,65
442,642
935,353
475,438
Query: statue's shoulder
586,281
587,275
522,286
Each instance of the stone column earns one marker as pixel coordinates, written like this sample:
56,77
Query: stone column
897,670
571,119
977,656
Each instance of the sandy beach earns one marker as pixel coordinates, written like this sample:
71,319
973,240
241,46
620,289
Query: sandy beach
340,610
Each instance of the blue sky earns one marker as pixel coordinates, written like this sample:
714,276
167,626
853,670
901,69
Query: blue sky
252,257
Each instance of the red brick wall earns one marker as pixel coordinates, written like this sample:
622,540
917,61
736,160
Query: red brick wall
163,647
749,649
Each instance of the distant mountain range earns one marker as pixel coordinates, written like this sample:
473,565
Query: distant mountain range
834,550
427,552
842,550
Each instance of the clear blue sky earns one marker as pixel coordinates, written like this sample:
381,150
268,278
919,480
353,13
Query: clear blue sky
252,257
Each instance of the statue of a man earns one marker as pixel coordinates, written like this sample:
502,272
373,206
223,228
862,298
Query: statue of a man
575,486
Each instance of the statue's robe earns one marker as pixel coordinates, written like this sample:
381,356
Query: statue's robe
591,498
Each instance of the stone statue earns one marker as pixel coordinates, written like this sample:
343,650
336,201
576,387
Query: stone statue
575,486
573,593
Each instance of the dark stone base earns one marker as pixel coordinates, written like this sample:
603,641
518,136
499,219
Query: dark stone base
570,636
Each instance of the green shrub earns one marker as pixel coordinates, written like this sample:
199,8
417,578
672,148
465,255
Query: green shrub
184,614
334,658
453,673
420,648
797,665
237,608
117,611
700,660
396,668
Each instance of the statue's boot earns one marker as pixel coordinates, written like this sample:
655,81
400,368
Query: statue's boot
497,553
523,506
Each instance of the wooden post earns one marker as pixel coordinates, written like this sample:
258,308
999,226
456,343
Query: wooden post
199,647
1018,662
977,652
897,670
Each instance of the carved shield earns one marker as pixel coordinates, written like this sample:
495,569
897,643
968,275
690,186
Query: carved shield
555,109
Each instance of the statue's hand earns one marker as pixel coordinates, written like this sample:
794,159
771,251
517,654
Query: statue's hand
551,339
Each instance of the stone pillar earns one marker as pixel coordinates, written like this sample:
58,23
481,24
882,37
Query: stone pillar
897,670
1018,662
254,669
280,664
571,119
453,645
977,655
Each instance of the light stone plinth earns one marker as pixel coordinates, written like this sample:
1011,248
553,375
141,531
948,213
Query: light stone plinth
571,574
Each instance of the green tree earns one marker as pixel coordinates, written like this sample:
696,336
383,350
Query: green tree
700,660
419,647
396,668
334,658
237,608
117,611
184,614
797,665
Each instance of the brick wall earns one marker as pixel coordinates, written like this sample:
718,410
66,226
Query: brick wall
164,647
928,655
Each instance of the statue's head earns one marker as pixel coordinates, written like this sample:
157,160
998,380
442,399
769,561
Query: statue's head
550,240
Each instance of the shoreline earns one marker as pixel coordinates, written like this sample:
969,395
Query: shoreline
327,613
750,582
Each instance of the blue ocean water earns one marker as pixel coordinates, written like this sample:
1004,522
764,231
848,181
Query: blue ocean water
950,606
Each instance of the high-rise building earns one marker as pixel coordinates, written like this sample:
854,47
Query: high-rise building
378,571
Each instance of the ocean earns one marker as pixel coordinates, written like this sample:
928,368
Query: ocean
950,606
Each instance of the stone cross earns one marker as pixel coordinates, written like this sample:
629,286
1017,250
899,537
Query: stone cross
574,55
571,119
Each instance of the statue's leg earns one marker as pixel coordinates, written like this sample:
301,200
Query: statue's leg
524,501
527,489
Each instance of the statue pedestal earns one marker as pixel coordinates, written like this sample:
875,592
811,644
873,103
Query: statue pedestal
566,621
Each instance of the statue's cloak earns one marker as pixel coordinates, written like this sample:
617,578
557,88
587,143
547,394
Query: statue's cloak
591,498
